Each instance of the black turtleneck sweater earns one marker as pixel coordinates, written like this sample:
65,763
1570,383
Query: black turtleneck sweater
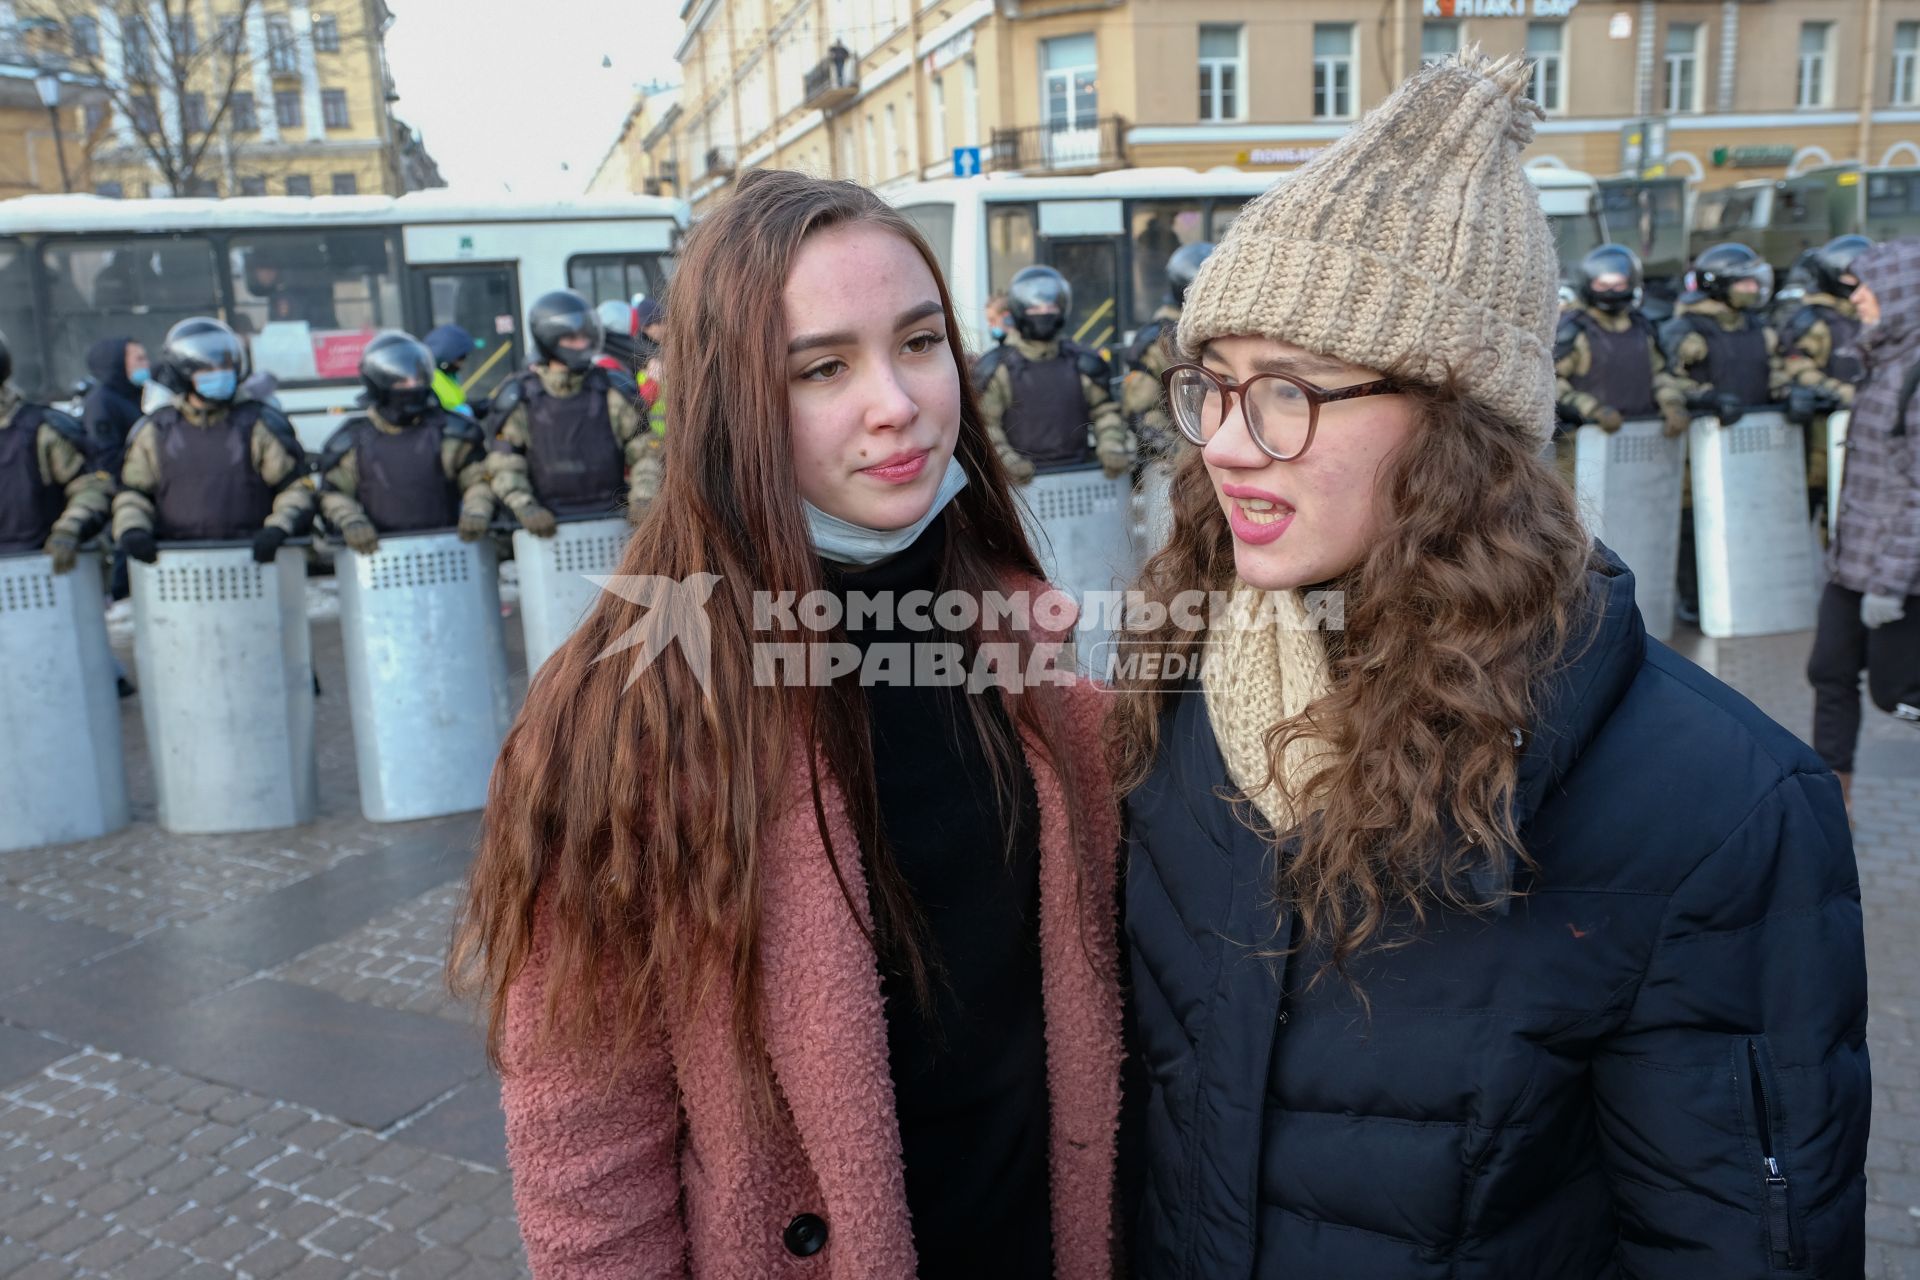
969,1075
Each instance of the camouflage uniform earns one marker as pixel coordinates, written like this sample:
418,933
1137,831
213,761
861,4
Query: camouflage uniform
1687,354
1573,364
1141,397
514,467
1818,340
46,487
462,464
283,499
1015,437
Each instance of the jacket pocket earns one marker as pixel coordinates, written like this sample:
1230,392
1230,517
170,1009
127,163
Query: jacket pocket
1762,1103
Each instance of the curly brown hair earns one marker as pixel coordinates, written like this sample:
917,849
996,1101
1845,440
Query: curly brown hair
1466,599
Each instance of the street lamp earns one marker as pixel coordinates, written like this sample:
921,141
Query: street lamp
48,83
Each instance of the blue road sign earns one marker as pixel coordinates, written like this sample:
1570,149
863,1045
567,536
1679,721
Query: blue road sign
966,162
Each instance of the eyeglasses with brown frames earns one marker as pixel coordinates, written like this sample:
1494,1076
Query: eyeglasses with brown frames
1282,411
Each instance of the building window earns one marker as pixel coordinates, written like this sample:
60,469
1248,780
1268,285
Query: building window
233,39
193,112
895,157
1906,54
253,186
1547,50
299,184
1333,70
85,34
1683,67
326,35
185,41
286,109
333,108
96,116
111,190
1814,89
134,48
1438,42
245,116
939,121
1070,94
1222,70
145,118
282,56
873,150
346,184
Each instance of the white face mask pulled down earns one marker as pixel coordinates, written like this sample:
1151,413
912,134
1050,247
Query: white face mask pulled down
846,543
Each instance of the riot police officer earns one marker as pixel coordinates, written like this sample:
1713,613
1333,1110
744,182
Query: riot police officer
51,500
406,463
1818,341
1722,356
620,327
210,464
1606,358
1037,389
569,438
1146,356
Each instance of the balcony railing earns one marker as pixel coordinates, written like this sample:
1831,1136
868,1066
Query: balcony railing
832,81
1061,147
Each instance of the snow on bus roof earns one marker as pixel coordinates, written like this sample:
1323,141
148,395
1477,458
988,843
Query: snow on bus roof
43,213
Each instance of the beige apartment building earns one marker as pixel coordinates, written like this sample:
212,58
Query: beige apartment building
887,91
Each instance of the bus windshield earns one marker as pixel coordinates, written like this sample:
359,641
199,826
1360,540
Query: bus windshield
121,287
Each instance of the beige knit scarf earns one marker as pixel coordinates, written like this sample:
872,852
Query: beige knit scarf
1265,663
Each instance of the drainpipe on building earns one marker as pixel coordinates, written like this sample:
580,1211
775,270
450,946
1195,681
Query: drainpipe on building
1729,55
1643,60
1399,45
1869,53
919,167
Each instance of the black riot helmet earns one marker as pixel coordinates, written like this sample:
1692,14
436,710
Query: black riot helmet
1039,299
1832,265
397,371
1610,260
1182,267
200,345
6,361
1716,272
565,314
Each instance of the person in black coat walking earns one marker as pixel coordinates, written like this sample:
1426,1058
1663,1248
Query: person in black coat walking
112,404
1474,935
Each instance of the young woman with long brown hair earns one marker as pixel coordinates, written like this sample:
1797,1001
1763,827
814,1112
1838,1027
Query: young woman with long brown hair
1479,937
797,977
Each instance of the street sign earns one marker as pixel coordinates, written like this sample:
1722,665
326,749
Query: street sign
966,162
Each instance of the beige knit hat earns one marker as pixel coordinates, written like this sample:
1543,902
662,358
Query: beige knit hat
1414,244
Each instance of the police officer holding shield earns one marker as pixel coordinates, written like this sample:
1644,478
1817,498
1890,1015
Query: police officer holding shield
51,500
1722,356
1607,358
1146,356
1819,341
406,464
1038,390
210,465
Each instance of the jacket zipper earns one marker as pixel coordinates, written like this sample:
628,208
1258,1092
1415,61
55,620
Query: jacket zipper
1779,1239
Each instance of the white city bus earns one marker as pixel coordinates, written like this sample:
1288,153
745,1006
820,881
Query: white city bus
308,281
1111,234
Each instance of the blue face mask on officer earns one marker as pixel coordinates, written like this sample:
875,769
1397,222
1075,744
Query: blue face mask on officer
216,384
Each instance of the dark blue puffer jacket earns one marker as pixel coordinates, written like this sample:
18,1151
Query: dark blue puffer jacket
1652,1064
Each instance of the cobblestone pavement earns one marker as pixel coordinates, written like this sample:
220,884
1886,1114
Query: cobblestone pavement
233,1055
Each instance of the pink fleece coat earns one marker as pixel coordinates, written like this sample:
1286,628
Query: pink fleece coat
650,1169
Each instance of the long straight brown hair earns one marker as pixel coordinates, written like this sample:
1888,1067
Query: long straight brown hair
633,806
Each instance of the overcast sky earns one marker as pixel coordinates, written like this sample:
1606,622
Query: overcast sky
506,91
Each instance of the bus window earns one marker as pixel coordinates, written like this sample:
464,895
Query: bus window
133,288
614,277
17,323
308,305
1224,212
935,222
1159,227
1010,244
1092,268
